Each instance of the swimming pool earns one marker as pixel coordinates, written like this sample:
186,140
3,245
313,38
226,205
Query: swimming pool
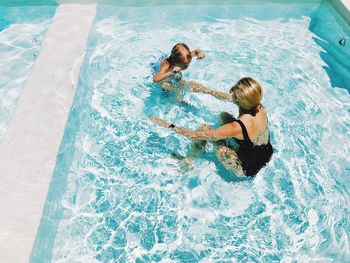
22,30
117,195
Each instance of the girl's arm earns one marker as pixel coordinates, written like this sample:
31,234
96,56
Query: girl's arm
223,132
199,54
165,72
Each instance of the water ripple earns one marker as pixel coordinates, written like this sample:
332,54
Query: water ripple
128,200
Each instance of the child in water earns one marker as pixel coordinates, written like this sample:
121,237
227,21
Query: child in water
170,69
179,59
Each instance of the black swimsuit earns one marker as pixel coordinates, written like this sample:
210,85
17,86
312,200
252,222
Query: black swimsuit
252,157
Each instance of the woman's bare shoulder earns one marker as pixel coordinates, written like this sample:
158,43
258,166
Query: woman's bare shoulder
254,124
247,119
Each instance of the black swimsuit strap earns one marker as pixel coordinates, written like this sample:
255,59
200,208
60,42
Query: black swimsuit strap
244,129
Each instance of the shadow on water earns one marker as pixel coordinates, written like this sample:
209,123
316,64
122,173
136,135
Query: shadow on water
330,28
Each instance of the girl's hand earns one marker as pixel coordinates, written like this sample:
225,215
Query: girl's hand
200,55
160,122
175,69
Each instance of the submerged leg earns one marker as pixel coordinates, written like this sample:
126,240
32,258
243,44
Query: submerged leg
179,88
197,147
196,150
229,159
166,85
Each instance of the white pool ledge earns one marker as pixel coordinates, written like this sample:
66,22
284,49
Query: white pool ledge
29,148
343,8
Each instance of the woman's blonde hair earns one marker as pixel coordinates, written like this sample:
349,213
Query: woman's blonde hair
247,94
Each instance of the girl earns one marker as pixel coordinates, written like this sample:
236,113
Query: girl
171,66
179,59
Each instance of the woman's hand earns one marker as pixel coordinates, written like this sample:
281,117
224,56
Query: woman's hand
188,133
206,132
160,122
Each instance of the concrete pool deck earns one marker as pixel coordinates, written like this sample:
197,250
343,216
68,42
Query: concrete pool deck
29,148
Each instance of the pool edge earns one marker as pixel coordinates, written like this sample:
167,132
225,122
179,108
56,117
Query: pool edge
343,8
30,146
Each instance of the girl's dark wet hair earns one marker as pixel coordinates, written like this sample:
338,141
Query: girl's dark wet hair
177,53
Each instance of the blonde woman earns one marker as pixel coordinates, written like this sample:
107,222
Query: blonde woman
244,142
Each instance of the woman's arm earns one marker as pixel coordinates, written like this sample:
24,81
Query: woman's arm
223,132
196,87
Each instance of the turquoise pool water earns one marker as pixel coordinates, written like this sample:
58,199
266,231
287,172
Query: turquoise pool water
117,195
22,30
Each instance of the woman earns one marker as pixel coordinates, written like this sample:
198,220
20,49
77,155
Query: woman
243,143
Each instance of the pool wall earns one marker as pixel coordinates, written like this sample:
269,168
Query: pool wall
29,149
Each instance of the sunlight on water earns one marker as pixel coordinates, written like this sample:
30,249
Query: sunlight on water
126,199
22,30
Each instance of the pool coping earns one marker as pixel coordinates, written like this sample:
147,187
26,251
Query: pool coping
29,148
343,8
